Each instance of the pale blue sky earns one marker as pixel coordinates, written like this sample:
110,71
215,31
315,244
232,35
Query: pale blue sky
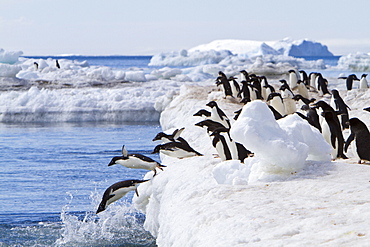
138,27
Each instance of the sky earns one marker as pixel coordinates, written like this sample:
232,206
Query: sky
127,27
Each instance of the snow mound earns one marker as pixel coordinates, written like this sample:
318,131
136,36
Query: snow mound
355,62
9,57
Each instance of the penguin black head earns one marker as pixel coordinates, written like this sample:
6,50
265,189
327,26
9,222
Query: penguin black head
114,159
202,112
272,95
356,125
222,74
157,148
363,75
159,136
367,109
335,93
211,104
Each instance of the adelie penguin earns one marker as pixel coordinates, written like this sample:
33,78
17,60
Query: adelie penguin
293,79
363,82
349,80
311,116
218,115
117,191
322,84
276,102
222,79
176,149
175,136
361,137
136,161
337,103
203,113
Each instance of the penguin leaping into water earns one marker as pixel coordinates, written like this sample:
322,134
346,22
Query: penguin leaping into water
136,161
117,191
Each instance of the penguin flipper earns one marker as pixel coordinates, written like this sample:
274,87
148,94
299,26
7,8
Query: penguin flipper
348,142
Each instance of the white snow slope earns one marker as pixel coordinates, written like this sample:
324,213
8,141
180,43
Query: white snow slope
289,194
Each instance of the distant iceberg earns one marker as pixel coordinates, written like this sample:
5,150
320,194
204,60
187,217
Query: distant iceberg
231,51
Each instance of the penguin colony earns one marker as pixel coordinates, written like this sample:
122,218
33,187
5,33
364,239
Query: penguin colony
292,97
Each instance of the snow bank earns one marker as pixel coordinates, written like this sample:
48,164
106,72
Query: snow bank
134,102
289,193
355,62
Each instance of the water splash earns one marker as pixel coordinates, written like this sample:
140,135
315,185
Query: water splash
120,224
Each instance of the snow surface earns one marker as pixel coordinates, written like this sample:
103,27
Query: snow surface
289,194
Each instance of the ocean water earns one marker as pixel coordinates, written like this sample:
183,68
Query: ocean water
53,177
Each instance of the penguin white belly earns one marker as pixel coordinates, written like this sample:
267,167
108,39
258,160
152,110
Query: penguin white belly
292,80
290,106
313,81
302,90
363,84
137,163
278,105
220,150
178,153
327,136
215,117
118,194
232,147
252,93
354,150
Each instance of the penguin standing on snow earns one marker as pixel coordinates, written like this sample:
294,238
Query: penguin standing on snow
57,64
218,115
235,88
293,79
222,79
363,82
276,101
266,87
338,104
322,85
117,191
287,95
349,80
335,135
312,80
136,161
304,77
361,136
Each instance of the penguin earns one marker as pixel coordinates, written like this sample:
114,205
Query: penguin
245,75
235,88
361,136
276,101
311,116
266,87
322,106
349,80
302,89
117,191
176,149
255,81
219,142
287,95
175,136
322,85
363,82
312,80
57,64
203,113
248,91
36,65
337,103
293,78
222,79
302,100
334,135
367,109
136,161
218,115
304,77
210,124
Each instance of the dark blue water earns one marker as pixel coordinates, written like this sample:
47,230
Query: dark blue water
119,62
53,177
